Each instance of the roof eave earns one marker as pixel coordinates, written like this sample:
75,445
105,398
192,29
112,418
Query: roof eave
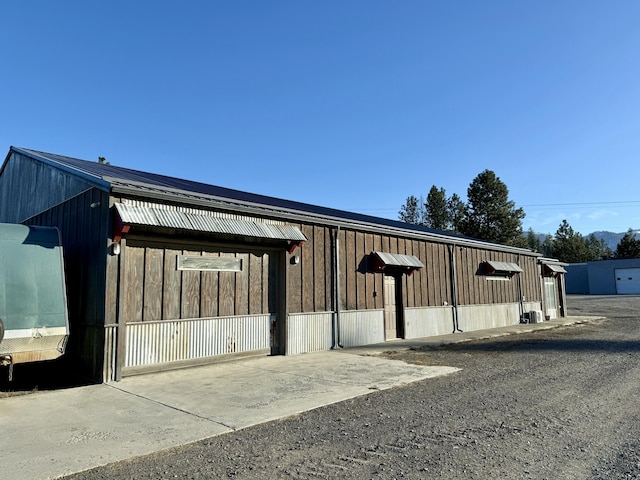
94,180
181,196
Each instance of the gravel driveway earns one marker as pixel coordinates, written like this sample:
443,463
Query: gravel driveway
554,404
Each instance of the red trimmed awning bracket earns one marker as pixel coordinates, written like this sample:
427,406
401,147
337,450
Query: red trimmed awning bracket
293,245
119,228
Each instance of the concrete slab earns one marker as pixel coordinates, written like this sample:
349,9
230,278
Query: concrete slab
50,434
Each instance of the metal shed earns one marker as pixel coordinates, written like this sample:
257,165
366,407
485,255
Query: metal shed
169,272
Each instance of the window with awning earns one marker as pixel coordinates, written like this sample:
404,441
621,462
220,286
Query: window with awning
395,263
552,270
500,270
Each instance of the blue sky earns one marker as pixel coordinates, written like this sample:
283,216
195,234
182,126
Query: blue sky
352,105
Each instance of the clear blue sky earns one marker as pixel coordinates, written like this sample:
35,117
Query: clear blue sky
353,105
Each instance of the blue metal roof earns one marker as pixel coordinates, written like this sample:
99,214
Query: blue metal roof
145,183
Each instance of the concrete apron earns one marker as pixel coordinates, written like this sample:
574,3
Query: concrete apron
55,433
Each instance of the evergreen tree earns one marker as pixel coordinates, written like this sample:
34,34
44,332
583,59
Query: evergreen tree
533,242
457,212
491,216
568,245
598,249
629,246
412,211
436,212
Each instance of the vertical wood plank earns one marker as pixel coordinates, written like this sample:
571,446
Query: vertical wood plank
255,284
421,274
329,286
227,289
171,291
342,247
270,283
306,266
111,289
134,280
190,304
448,286
209,290
431,278
242,286
369,277
319,270
377,278
352,299
411,295
361,280
294,279
153,270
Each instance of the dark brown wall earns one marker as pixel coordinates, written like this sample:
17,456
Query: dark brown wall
83,221
426,287
29,187
155,290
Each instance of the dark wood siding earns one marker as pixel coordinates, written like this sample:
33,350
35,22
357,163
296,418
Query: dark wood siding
82,222
29,187
476,288
156,290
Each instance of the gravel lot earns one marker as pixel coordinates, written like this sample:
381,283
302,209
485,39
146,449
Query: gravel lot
555,404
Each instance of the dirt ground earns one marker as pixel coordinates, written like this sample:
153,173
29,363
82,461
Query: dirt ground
554,404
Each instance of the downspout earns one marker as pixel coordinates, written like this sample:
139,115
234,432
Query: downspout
520,298
336,279
454,287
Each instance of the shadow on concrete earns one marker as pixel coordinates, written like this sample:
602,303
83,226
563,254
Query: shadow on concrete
35,376
515,344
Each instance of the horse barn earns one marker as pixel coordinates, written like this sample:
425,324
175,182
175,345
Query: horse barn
165,273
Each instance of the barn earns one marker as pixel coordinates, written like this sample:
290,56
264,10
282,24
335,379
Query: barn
166,273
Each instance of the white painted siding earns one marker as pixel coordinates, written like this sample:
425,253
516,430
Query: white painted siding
428,321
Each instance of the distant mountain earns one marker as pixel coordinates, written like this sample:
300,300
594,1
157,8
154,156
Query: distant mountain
611,239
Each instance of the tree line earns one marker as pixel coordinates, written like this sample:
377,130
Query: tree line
489,215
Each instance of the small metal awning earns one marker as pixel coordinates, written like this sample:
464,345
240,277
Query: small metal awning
201,221
552,267
492,267
390,262
555,268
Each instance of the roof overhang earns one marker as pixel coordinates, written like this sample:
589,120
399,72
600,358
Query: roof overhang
395,263
552,267
506,269
202,221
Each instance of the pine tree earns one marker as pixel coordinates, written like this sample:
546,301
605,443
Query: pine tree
629,246
491,216
412,211
436,212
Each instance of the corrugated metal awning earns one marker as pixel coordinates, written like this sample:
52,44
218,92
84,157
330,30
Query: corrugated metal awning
552,267
202,222
501,268
383,261
555,268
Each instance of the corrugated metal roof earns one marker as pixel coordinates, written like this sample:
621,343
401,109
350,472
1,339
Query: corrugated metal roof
555,268
159,217
396,259
507,267
151,185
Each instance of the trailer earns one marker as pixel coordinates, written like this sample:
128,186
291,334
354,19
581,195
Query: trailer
34,323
